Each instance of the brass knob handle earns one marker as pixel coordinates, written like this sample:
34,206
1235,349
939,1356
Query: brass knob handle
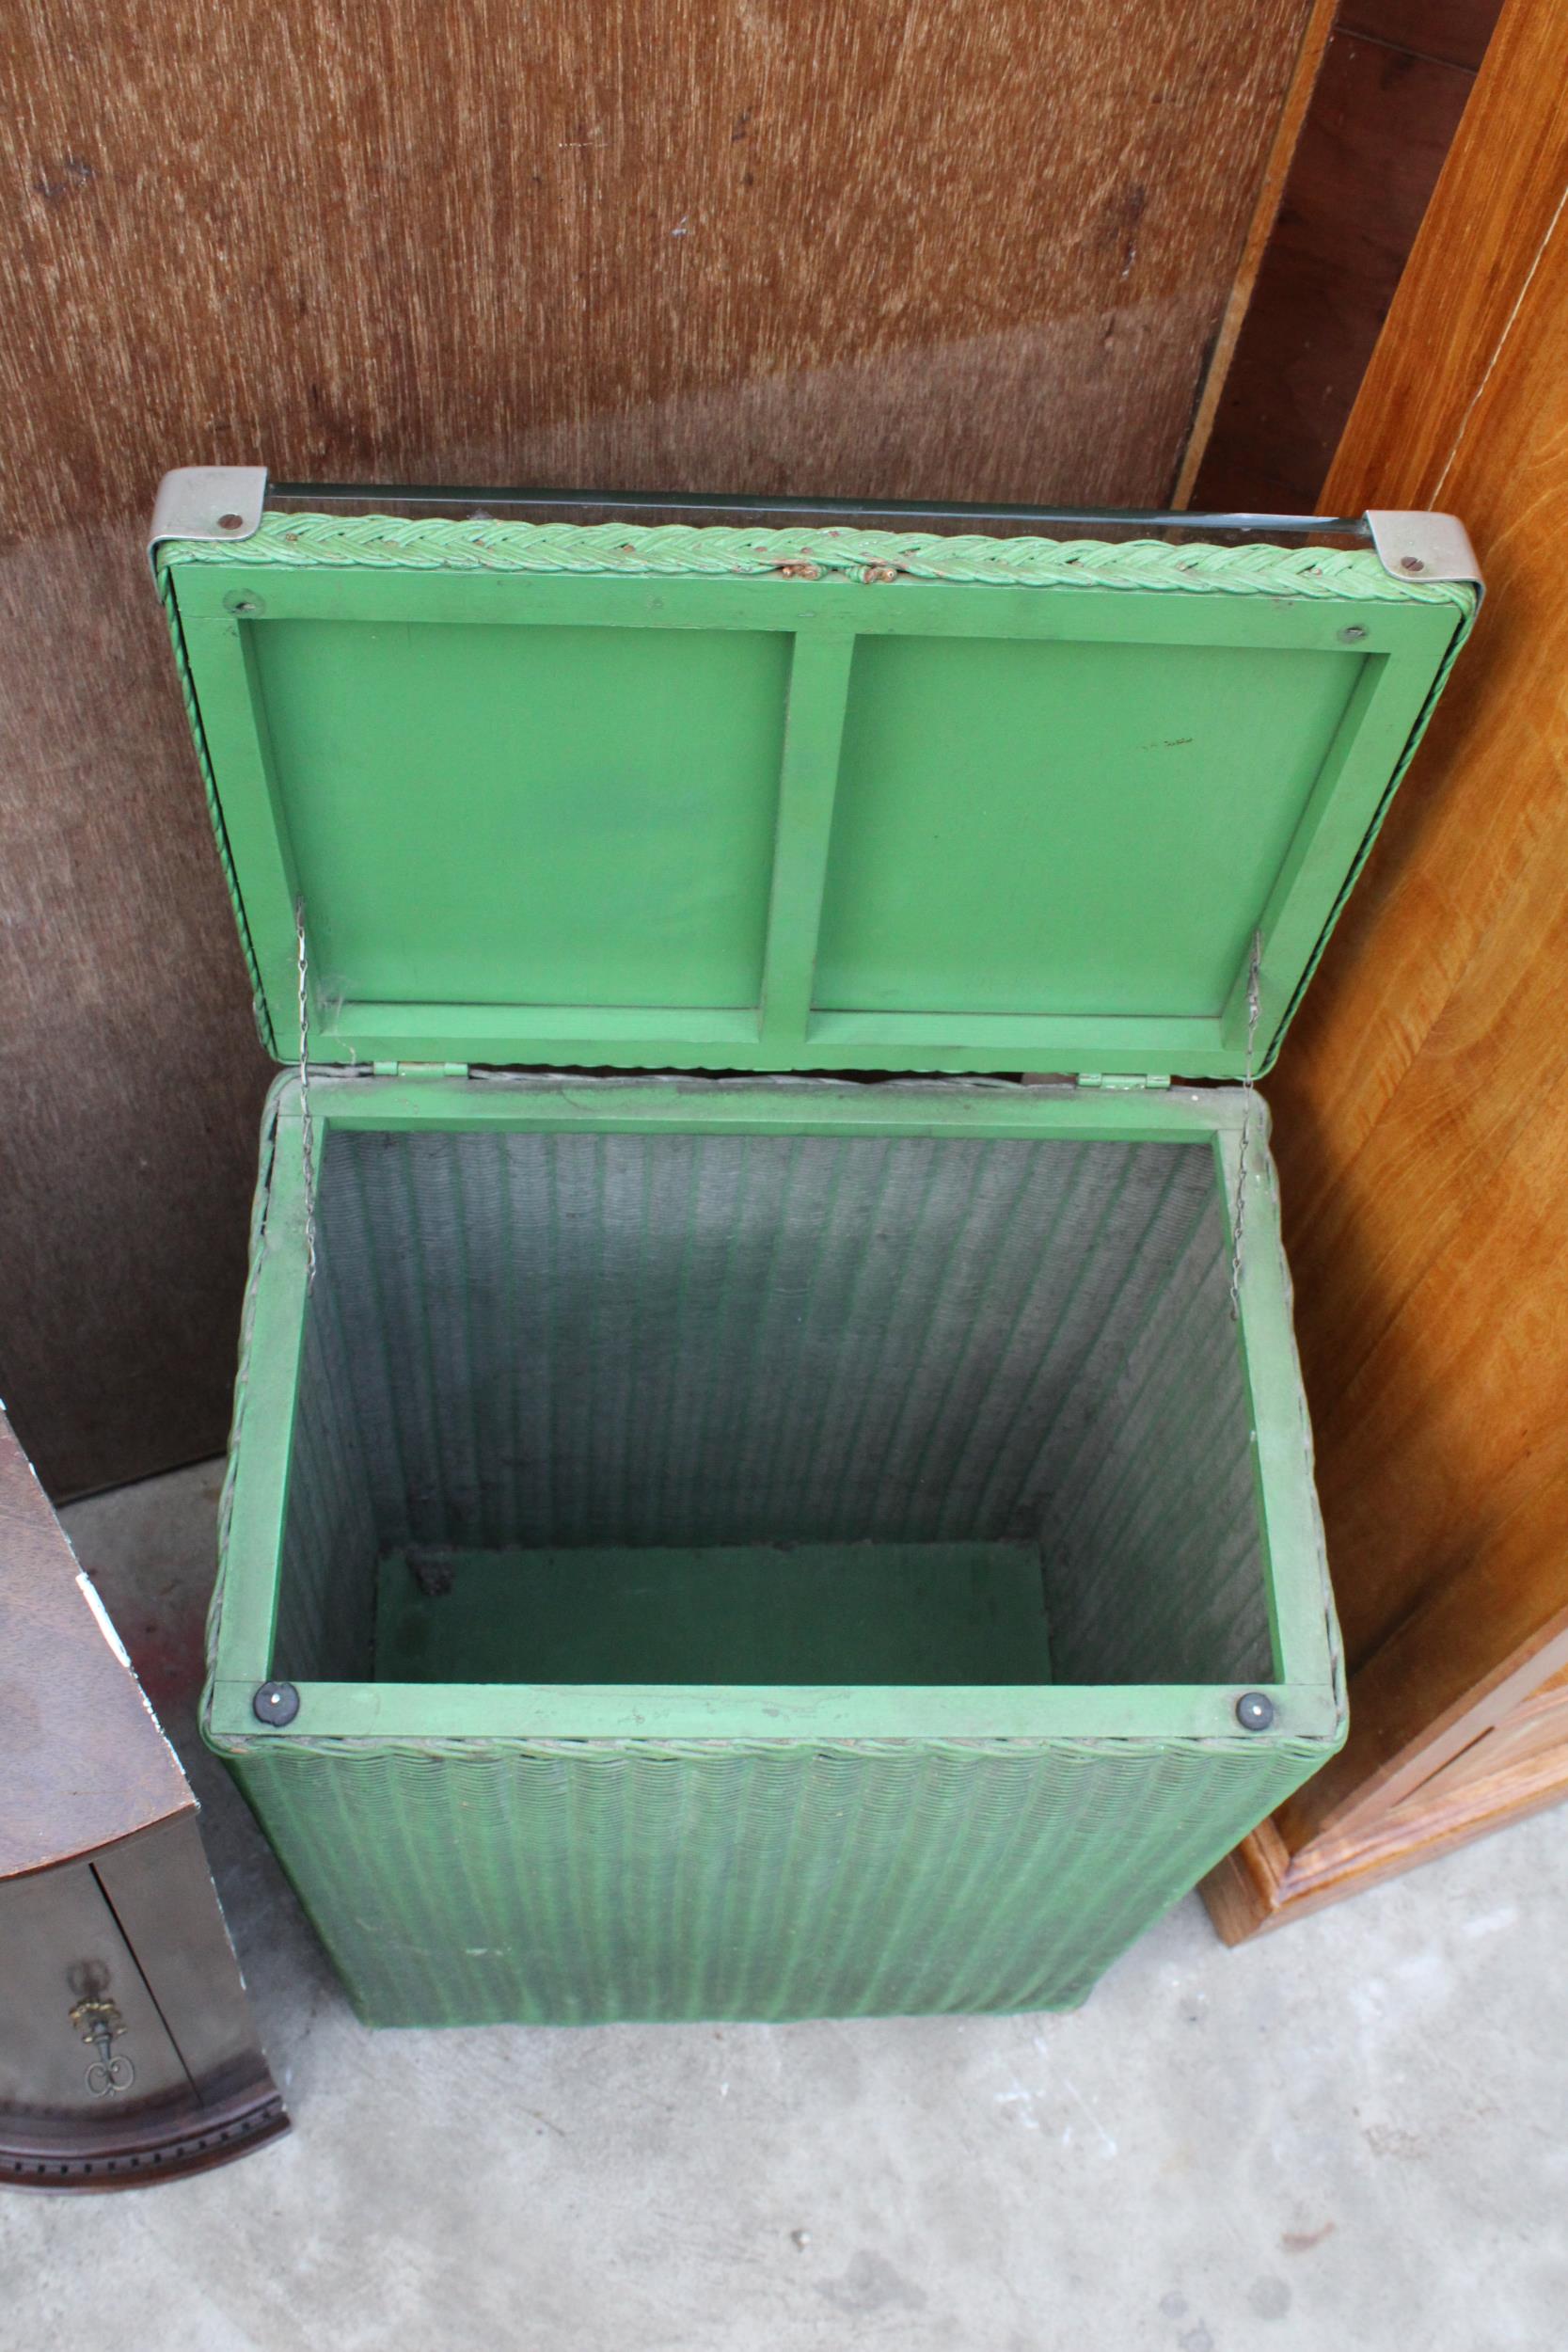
100,2024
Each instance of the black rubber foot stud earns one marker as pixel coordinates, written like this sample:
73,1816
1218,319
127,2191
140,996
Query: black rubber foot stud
1254,1709
278,1702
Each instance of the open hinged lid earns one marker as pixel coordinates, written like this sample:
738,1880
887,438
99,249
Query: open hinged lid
790,799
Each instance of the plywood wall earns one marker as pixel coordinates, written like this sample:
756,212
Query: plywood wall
907,247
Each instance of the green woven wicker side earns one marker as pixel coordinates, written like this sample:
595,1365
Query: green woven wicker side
749,550
495,1883
832,1340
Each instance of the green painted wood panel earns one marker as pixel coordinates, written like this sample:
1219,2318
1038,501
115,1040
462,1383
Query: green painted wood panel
775,799
1083,830
867,1613
456,799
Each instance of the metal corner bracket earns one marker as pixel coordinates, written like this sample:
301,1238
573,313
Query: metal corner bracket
207,503
1416,546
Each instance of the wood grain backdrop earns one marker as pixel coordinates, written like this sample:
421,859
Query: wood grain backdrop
1422,1104
909,247
1394,83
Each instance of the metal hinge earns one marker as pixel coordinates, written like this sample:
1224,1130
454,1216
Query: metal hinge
420,1070
1123,1081
207,503
1421,547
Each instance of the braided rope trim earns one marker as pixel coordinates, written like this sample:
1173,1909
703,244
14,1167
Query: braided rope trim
699,550
803,1749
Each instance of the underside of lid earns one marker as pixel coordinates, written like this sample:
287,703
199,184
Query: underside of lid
591,795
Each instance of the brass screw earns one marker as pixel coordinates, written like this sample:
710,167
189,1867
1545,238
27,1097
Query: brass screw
231,523
1411,564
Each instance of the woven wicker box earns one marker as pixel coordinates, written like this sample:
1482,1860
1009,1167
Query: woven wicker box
773,1544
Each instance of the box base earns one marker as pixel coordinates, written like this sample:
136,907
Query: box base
879,1613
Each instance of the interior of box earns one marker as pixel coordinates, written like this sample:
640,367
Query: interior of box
658,1407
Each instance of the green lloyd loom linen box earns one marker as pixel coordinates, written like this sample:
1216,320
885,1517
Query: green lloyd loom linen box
772,1545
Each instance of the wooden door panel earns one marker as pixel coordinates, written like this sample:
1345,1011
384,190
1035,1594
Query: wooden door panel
63,1948
1421,1109
1535,1728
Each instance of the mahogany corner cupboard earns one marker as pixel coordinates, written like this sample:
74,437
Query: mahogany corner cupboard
741,1503
128,2051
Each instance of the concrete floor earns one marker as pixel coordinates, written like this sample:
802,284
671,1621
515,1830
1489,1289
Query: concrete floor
1352,2135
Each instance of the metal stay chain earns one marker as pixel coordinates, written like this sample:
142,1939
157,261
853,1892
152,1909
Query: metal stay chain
306,1129
1249,1097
